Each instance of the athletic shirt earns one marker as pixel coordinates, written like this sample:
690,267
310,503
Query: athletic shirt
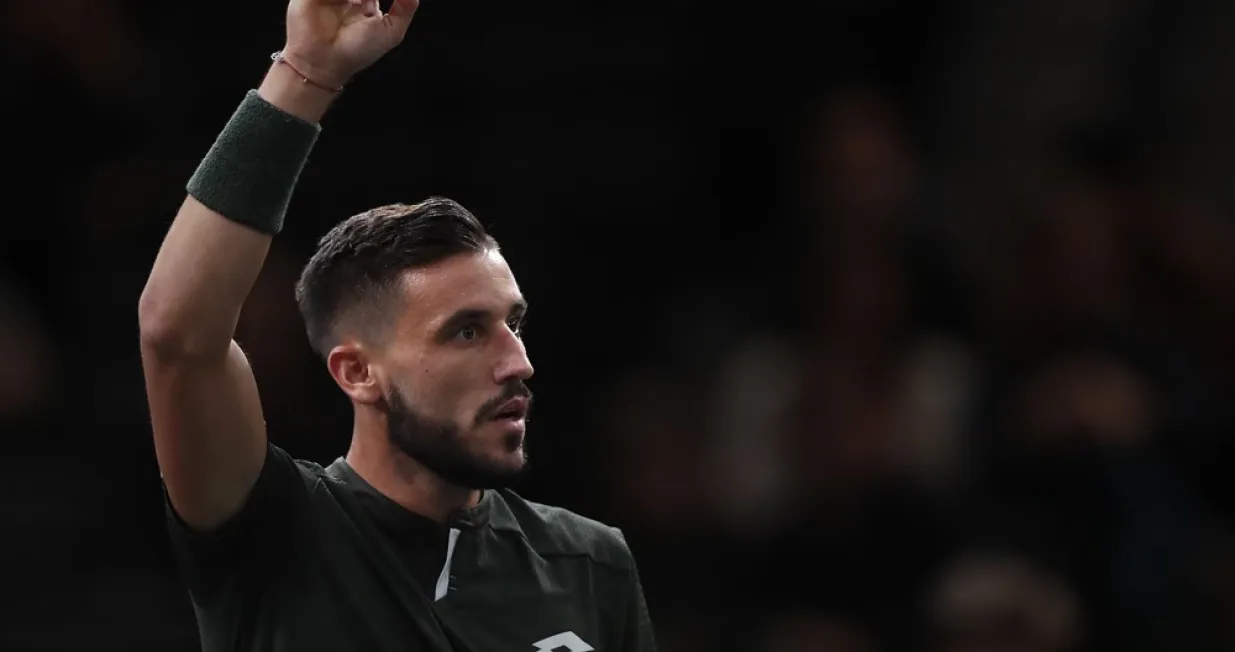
318,560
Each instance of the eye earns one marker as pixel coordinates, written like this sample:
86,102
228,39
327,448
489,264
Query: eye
516,325
468,333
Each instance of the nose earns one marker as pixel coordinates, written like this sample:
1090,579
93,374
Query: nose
514,363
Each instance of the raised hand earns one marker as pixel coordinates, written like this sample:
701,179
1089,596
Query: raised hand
328,41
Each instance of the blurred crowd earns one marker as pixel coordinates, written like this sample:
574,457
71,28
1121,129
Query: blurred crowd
1027,458
936,357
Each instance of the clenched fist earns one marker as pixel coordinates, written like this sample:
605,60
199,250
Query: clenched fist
328,41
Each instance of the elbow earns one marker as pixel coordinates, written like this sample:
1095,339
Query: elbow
158,329
167,334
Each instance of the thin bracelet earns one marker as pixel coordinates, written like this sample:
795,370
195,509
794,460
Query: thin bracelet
278,57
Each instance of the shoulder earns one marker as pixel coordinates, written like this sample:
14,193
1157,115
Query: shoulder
551,530
283,466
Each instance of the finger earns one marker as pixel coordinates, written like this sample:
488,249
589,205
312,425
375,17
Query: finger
399,17
401,11
369,8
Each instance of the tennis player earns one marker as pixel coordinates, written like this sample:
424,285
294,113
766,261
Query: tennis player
412,541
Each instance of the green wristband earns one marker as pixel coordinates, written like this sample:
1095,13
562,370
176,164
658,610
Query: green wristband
251,170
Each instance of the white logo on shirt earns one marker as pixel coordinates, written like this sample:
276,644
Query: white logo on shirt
568,640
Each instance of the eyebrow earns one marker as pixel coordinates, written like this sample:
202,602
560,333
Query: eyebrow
466,316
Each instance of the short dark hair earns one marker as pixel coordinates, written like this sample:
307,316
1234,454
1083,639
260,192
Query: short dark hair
358,263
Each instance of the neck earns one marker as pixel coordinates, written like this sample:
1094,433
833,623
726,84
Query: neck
402,479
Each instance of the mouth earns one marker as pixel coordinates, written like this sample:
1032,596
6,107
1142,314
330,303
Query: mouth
514,410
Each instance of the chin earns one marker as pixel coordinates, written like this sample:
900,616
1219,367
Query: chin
501,452
505,470
513,458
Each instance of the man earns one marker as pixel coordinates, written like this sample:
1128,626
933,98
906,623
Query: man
410,542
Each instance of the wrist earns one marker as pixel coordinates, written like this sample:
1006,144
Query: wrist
251,170
287,90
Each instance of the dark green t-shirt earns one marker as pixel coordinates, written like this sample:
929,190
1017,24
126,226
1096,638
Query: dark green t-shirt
319,560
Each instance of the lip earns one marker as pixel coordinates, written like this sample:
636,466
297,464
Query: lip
516,407
511,425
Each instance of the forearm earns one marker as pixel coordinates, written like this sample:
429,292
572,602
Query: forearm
210,259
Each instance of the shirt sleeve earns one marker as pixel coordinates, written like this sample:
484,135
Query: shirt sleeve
254,545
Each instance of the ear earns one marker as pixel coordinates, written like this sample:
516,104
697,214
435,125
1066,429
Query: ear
352,368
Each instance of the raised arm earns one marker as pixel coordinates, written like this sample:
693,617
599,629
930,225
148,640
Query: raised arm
209,432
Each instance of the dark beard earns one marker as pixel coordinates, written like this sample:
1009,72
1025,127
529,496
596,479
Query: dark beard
441,448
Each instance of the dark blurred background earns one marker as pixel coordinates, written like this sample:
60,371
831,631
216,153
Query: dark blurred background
876,325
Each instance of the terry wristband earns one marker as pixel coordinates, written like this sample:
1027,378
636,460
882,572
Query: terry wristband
251,170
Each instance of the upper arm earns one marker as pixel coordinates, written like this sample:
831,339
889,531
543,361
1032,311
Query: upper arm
209,432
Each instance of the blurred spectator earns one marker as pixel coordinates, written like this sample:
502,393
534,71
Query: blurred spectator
30,374
1073,472
95,42
656,457
985,602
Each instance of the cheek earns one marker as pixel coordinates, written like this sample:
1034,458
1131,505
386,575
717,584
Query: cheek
443,392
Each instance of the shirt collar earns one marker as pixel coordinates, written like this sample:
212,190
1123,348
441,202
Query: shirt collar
398,517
